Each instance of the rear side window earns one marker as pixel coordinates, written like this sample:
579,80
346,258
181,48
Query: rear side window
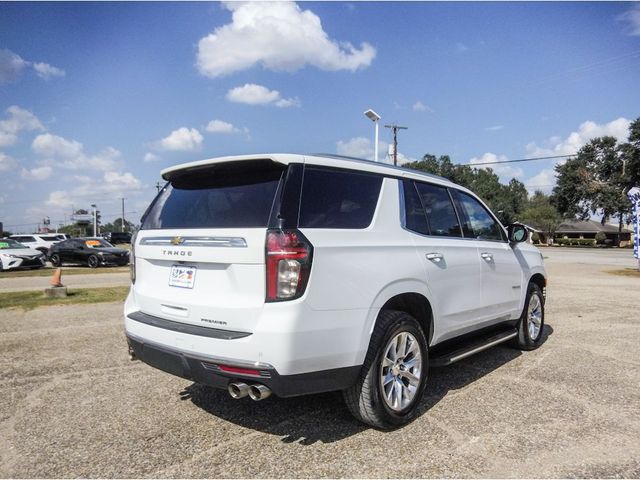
415,218
25,239
441,216
338,198
233,195
50,239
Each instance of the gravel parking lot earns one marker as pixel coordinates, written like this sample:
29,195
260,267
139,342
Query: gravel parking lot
73,405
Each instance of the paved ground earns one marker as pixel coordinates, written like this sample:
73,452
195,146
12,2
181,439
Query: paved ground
72,405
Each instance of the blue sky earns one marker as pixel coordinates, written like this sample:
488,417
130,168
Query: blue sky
97,98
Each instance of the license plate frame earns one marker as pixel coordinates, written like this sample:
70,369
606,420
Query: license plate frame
182,276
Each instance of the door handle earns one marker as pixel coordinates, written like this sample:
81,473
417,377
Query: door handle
434,257
487,256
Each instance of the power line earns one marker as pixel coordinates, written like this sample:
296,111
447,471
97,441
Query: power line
533,159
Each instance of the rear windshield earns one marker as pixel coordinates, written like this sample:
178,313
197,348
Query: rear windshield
233,195
338,198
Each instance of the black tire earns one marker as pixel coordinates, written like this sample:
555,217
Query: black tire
525,340
55,260
364,399
93,261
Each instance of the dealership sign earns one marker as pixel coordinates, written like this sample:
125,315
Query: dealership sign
634,197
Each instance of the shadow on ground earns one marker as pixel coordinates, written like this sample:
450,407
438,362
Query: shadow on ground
324,417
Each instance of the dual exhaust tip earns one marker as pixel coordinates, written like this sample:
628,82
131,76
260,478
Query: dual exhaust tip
256,391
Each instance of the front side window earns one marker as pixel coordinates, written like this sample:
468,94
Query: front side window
480,223
438,209
338,198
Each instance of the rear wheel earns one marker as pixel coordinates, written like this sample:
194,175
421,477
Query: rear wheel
394,374
531,322
93,261
55,260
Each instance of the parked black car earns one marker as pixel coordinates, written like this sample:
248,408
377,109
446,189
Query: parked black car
117,237
90,251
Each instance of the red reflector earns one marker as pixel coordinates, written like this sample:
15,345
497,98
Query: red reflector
241,371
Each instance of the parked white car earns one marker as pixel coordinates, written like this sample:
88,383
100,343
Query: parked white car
37,241
303,274
15,255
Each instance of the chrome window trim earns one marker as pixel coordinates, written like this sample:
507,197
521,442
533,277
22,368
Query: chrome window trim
233,242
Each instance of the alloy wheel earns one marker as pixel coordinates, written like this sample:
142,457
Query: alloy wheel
400,371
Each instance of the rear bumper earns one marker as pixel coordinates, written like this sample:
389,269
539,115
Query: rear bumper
206,370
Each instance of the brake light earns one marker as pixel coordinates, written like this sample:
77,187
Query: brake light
289,256
132,259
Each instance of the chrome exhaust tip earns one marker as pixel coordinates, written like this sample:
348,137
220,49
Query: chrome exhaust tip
238,390
259,392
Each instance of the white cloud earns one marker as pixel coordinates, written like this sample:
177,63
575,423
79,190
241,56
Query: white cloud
151,157
60,199
219,126
183,140
55,146
17,120
7,163
70,154
543,181
279,36
506,172
252,94
46,71
359,147
632,19
421,107
112,184
494,128
38,173
11,66
362,147
461,47
587,131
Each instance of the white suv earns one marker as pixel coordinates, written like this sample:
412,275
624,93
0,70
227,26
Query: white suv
38,241
300,274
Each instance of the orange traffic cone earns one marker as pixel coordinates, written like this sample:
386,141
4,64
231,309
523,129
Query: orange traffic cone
56,278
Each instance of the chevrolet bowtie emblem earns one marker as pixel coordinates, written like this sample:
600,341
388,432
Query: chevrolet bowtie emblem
177,240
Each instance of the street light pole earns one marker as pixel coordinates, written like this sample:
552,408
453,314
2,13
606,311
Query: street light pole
95,223
374,117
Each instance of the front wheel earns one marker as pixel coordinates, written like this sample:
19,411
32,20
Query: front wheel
55,260
531,322
93,261
394,374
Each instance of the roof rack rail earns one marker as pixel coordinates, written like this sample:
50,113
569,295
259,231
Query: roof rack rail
387,165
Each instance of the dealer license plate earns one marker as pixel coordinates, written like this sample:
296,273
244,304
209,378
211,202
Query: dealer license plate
182,276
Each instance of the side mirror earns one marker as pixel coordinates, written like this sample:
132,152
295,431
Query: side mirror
517,232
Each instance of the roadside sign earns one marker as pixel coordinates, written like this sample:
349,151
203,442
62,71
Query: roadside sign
634,197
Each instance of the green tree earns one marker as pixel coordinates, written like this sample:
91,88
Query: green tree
597,179
541,214
116,226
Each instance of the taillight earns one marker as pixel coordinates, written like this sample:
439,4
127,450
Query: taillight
289,256
132,258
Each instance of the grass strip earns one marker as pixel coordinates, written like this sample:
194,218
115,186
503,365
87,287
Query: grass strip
48,271
34,299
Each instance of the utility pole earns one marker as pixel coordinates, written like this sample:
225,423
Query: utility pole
122,223
394,128
158,186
